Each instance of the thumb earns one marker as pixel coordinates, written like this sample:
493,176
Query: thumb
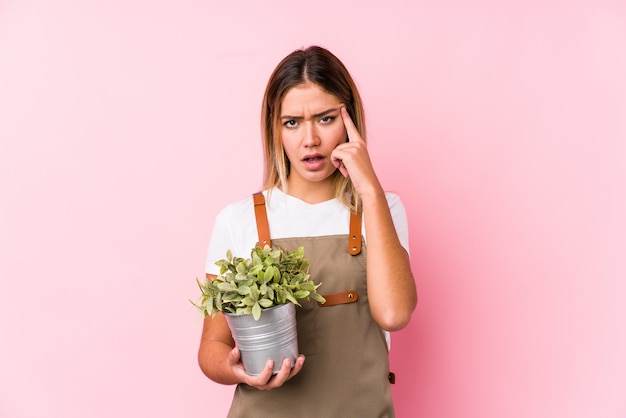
338,163
234,355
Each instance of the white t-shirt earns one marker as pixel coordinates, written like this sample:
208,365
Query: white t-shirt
288,217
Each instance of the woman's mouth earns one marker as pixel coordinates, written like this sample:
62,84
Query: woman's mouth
313,162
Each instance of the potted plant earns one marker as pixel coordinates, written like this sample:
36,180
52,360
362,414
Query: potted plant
258,296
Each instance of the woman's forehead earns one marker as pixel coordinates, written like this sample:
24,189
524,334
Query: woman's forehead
307,98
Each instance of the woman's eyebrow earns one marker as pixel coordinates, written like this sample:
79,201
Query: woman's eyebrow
315,116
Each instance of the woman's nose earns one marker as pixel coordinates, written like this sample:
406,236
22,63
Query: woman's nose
311,138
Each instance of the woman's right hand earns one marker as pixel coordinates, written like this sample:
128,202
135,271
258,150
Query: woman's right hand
265,380
220,359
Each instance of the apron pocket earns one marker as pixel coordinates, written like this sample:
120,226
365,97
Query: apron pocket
306,317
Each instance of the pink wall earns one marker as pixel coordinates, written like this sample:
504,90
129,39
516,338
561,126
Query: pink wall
125,126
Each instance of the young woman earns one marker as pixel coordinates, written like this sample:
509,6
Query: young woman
320,192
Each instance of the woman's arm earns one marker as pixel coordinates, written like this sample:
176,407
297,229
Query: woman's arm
390,285
216,346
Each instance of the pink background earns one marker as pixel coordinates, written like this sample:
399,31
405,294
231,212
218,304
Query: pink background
126,125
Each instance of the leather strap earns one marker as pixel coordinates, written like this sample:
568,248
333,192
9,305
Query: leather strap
262,225
355,239
340,298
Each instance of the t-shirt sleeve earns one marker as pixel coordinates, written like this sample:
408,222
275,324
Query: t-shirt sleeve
221,240
234,229
400,222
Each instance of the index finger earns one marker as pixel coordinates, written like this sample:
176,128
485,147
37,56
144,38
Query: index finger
351,130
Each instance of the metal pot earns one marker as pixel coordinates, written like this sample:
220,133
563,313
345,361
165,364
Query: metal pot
273,336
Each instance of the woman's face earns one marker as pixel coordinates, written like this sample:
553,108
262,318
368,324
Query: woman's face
311,128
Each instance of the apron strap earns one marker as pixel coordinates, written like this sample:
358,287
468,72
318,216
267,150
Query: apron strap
355,239
262,225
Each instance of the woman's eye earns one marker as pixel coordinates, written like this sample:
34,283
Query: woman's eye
290,123
327,119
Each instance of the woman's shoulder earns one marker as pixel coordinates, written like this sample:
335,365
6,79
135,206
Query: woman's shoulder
393,198
237,208
396,207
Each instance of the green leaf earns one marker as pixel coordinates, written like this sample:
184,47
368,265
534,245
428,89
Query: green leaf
243,290
266,303
256,311
299,253
256,269
318,298
268,275
242,268
291,299
275,273
225,287
254,291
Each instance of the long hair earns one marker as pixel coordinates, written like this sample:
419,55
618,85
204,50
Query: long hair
310,65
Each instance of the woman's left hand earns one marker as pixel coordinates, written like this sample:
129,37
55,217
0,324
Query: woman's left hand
353,160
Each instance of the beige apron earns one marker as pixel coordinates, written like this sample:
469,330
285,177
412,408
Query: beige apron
346,369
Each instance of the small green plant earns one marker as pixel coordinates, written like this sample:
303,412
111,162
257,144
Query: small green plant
247,286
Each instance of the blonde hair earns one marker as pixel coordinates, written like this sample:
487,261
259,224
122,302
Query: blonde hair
310,65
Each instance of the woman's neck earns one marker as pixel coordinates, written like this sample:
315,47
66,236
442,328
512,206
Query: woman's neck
310,192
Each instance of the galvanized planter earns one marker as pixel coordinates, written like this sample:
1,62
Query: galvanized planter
274,336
